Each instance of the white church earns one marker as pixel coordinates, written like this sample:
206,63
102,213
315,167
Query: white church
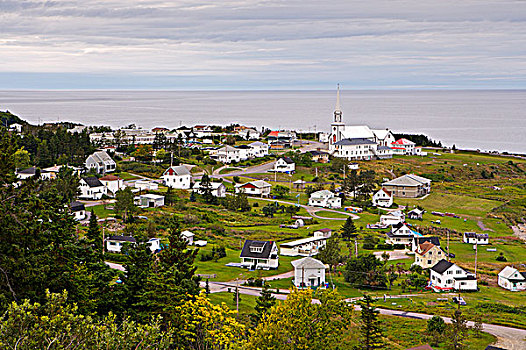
358,142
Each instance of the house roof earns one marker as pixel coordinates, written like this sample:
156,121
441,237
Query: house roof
28,171
274,133
257,144
102,157
110,178
92,181
354,141
385,191
475,235
425,247
121,239
416,211
178,170
322,194
151,196
442,266
408,180
434,240
403,141
421,347
76,206
357,131
287,160
384,148
381,133
265,254
324,230
508,271
228,148
301,241
307,263
257,183
187,233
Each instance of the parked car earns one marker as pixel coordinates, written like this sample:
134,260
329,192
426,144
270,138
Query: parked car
459,300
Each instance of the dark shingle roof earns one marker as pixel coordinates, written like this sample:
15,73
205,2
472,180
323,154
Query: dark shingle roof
476,235
92,181
355,141
442,266
384,148
121,238
434,240
288,160
265,254
76,206
28,171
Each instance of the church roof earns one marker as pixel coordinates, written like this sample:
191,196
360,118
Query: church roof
357,131
355,141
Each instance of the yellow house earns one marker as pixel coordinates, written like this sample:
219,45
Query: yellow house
427,255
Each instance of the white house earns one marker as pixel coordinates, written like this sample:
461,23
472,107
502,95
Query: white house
392,218
308,273
323,232
259,255
177,177
475,238
248,133
188,236
245,152
113,184
149,200
91,188
383,198
284,165
384,152
26,173
512,279
101,162
254,188
78,210
325,199
400,234
16,127
218,189
115,243
201,131
355,149
259,149
145,185
303,247
408,147
226,154
416,214
446,275
383,137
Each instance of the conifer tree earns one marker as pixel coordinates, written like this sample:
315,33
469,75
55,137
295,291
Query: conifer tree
348,229
457,331
264,302
94,234
370,329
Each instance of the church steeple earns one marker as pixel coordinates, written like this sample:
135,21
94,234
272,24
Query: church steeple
338,109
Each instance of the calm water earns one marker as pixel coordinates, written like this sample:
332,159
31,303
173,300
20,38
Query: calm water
488,120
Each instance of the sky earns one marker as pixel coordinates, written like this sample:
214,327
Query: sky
262,44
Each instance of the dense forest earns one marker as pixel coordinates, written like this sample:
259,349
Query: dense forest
419,139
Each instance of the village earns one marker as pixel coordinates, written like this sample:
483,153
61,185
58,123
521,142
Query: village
306,211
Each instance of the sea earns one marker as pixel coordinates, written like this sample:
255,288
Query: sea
492,120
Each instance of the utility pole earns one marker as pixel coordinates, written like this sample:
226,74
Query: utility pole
356,246
448,257
476,253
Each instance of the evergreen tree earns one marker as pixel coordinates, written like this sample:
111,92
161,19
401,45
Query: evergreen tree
264,302
351,182
172,280
370,328
330,253
457,331
124,203
348,229
435,328
94,234
206,189
7,158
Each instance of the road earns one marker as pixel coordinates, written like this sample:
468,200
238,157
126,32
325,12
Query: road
507,337
313,210
256,169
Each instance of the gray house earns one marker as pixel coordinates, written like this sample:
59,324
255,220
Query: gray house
101,162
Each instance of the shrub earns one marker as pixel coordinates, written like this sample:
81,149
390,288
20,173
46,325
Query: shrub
236,179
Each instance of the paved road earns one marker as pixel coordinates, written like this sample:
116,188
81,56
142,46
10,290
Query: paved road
312,210
507,337
256,169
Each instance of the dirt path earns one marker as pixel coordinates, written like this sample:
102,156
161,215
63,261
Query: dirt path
521,233
483,227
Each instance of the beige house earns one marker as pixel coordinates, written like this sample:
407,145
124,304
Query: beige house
408,186
428,255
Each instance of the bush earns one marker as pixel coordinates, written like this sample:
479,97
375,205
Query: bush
384,246
236,179
254,282
115,257
501,257
255,205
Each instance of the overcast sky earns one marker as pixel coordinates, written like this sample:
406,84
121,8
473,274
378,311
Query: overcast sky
262,44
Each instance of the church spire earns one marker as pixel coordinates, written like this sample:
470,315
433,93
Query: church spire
338,109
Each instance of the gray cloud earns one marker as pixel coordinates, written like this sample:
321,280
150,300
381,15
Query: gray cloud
479,44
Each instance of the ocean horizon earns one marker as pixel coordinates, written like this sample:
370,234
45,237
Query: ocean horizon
471,119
